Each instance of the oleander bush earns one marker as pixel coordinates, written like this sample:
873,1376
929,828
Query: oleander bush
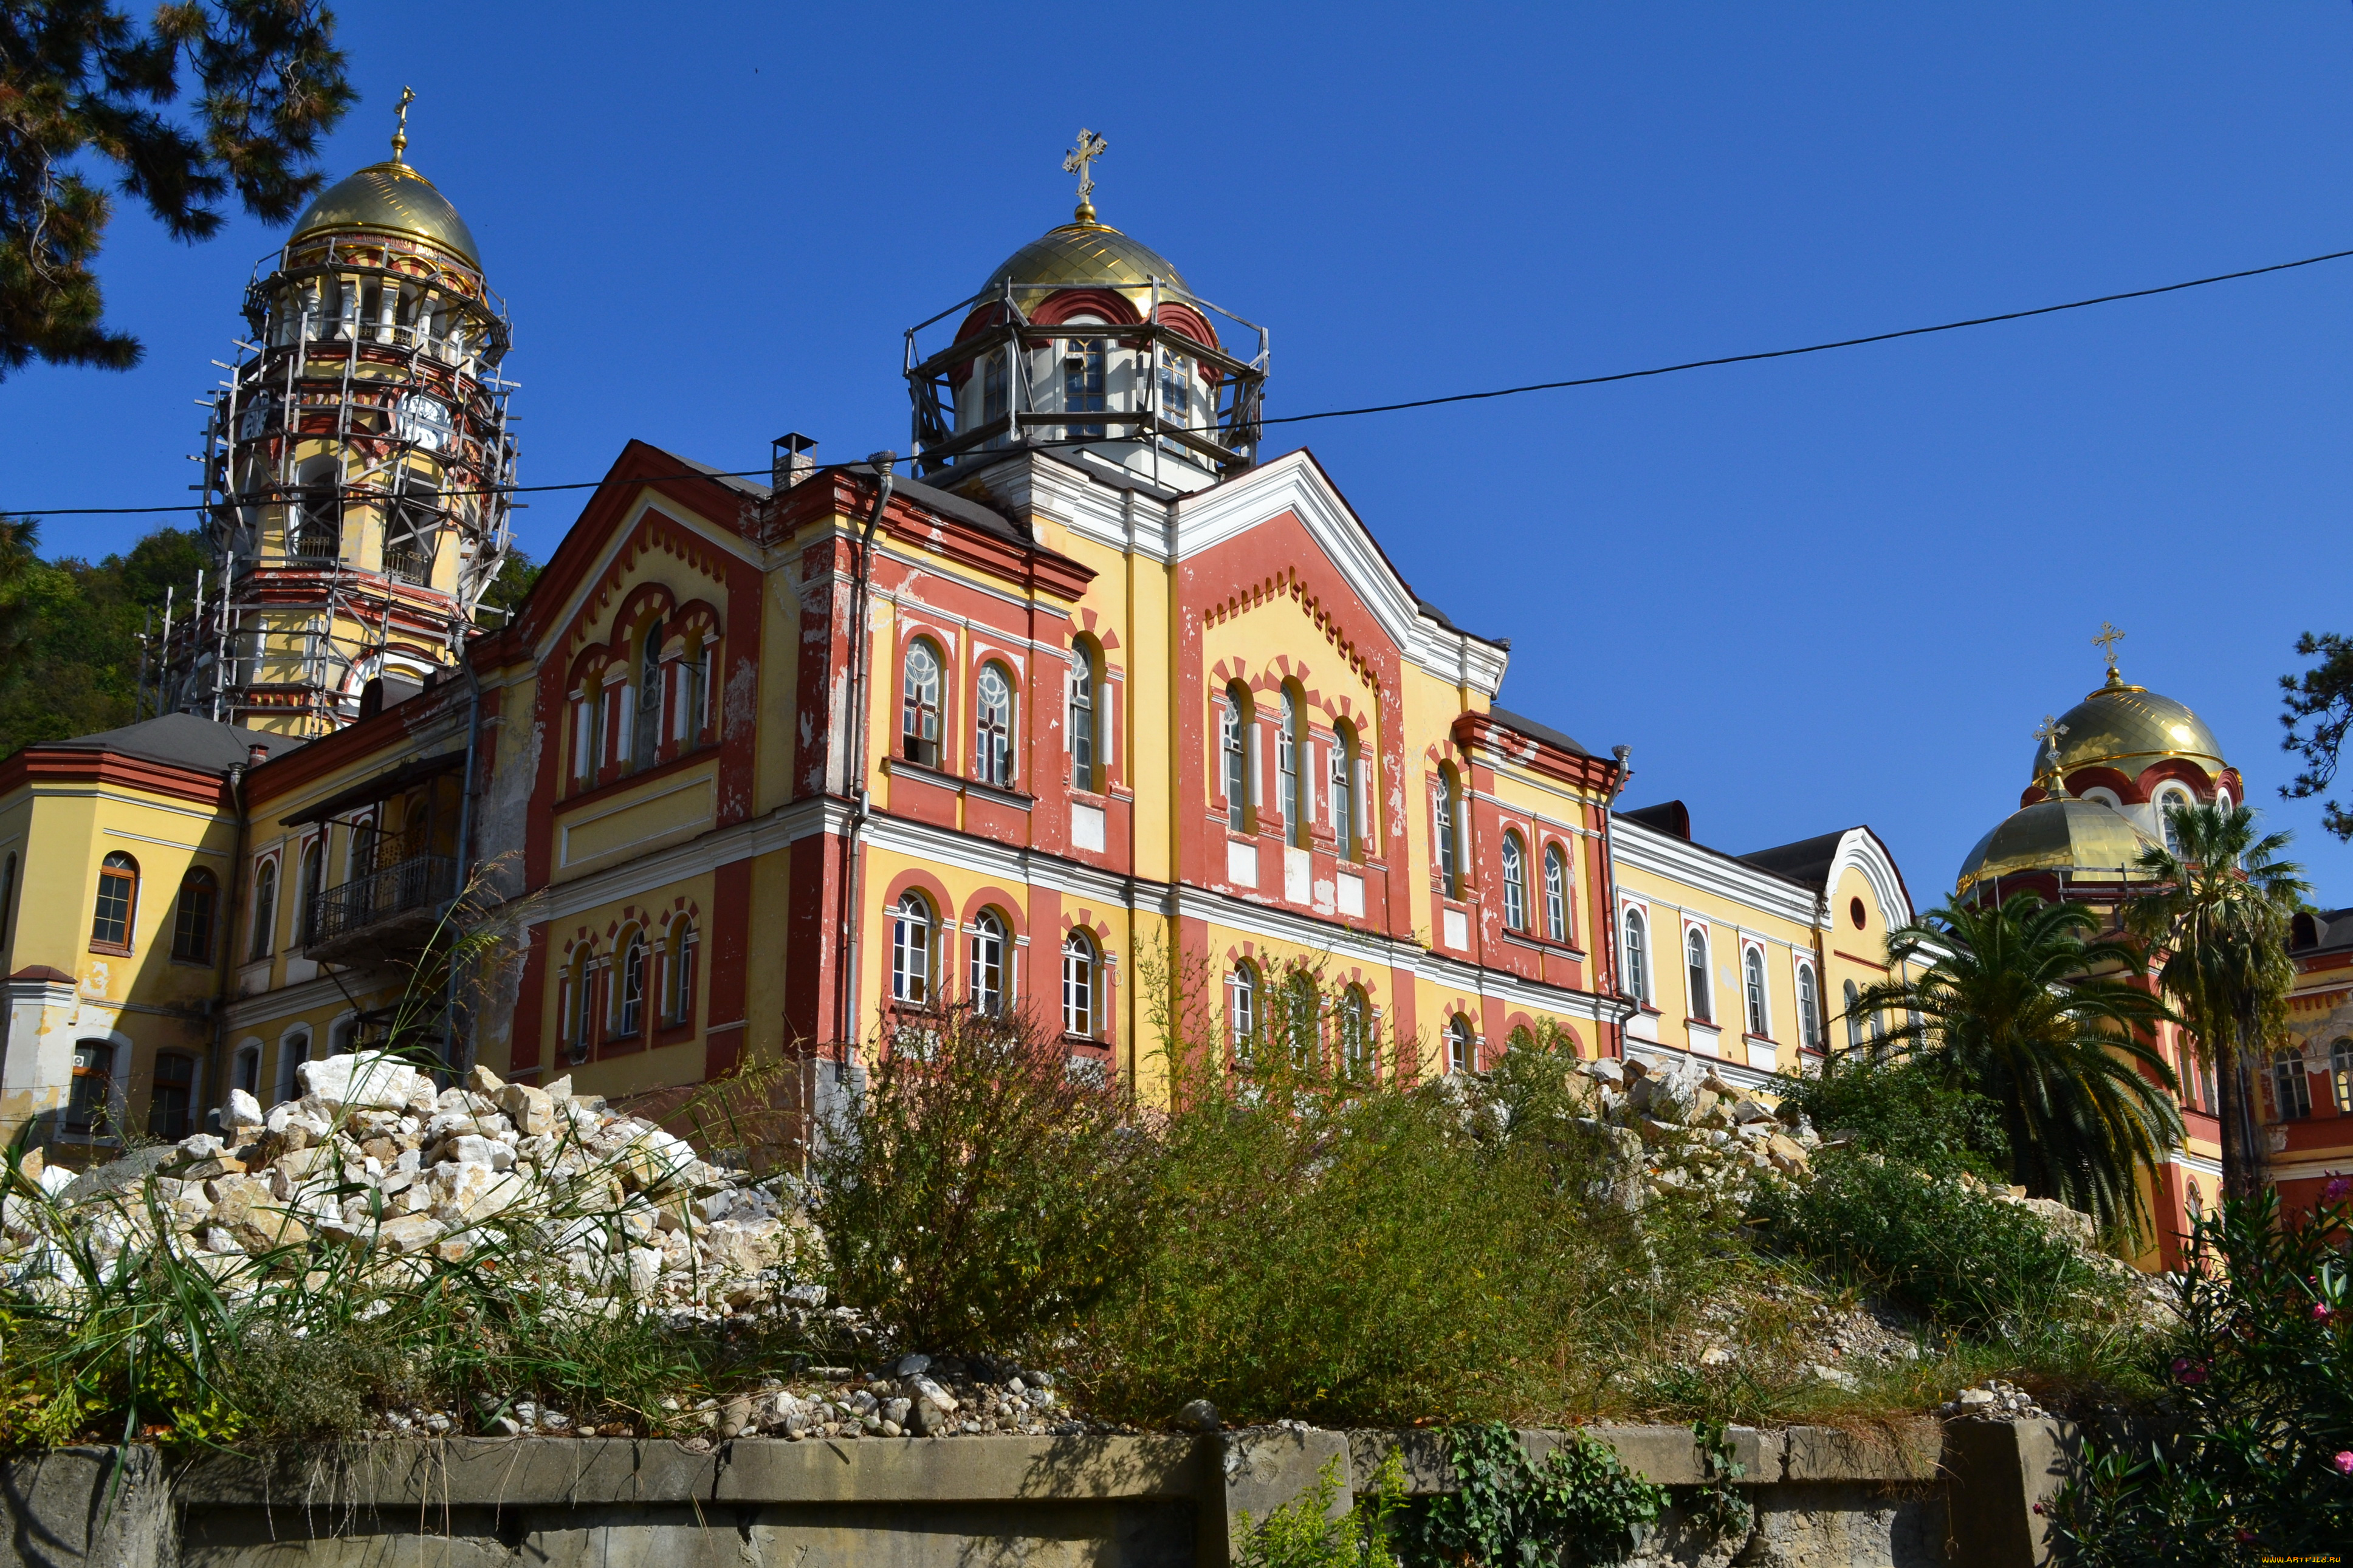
2248,1457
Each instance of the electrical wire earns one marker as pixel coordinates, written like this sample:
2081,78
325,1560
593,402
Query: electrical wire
1378,408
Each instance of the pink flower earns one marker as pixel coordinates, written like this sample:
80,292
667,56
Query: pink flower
2344,1463
2320,1312
2338,1190
2188,1370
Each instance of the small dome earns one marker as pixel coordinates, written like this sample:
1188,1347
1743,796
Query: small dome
2053,835
1086,255
2130,727
393,198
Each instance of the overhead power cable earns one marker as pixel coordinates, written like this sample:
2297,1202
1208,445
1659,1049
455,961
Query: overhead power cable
1385,407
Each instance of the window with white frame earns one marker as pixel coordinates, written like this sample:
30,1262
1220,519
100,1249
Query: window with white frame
1462,1046
2168,801
1853,1016
992,724
1287,773
1450,812
1752,977
911,950
647,743
1637,954
1809,1005
1696,977
1085,677
1343,792
1233,742
919,705
265,910
581,1029
1355,1032
629,1004
1081,983
294,1050
2291,1086
987,974
1555,893
1515,883
677,973
1241,1009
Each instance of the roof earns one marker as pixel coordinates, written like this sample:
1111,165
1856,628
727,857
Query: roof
1668,816
1082,254
393,198
1808,860
914,491
1523,725
2314,929
180,740
2131,727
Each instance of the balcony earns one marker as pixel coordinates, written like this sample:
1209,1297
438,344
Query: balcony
388,911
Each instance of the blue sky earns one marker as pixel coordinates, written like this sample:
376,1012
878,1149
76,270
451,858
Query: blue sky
1809,594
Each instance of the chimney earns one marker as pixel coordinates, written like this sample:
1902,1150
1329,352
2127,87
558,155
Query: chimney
789,461
256,754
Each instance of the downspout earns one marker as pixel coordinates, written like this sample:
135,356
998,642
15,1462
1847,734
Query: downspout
458,1063
1609,900
851,867
214,1078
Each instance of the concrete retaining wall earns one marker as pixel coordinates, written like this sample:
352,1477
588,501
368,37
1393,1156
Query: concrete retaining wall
1908,1497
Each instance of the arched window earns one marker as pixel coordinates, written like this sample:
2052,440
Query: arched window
992,727
2341,1076
600,707
2170,801
308,887
265,910
1752,975
1515,883
630,1005
1302,1020
1449,813
696,718
172,1096
1462,1049
1233,743
989,987
2291,1086
1853,1017
1241,1015
89,1101
1702,995
1290,772
918,706
645,743
1810,1005
580,1030
1083,382
1343,792
1085,675
677,975
244,1070
1638,955
911,950
192,921
363,847
1555,893
1355,1032
118,904
294,1050
1080,987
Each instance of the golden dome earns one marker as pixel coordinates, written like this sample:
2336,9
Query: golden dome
1086,255
2055,835
390,198
2130,727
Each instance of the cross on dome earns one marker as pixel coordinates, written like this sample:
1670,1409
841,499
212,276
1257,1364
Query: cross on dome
400,126
1091,147
2107,643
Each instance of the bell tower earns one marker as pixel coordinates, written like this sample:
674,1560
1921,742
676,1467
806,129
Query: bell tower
356,463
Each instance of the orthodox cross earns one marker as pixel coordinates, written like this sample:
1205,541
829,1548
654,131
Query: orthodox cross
2107,643
2049,734
1091,147
400,130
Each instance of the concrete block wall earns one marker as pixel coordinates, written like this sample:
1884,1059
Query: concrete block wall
1910,1496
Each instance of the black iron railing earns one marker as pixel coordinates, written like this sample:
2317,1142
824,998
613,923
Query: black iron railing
418,882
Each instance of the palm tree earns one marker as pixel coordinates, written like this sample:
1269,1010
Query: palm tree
2030,1006
2219,914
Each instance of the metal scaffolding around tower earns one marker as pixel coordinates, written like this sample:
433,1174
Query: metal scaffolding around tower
357,467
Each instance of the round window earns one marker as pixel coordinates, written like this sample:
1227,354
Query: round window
1855,912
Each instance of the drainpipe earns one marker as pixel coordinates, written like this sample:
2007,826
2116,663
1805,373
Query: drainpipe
1609,901
459,1061
885,479
213,1078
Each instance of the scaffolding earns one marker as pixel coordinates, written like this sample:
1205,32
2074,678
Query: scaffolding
1047,384
355,498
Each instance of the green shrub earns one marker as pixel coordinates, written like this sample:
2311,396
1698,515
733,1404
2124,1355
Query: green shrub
985,1193
1580,1506
1969,1260
1904,1109
2253,1460
1302,1533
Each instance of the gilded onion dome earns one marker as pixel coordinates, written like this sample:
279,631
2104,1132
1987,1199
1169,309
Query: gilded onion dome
390,198
2059,835
2129,728
1086,255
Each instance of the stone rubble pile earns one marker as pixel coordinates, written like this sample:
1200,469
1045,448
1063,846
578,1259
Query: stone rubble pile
1992,1400
1677,1126
375,1162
